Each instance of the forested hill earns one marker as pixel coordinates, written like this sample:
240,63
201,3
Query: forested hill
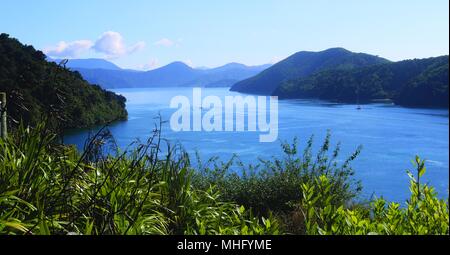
36,87
418,82
303,64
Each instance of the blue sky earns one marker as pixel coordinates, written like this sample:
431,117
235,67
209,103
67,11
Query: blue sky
146,34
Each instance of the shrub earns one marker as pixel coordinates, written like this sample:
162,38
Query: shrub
423,214
273,185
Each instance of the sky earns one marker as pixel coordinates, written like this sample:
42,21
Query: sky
144,34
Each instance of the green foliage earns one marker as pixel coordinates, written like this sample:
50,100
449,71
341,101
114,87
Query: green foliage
423,214
47,188
430,88
37,89
273,185
419,82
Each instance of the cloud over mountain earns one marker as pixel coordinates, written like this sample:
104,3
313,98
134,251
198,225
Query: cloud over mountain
69,49
111,44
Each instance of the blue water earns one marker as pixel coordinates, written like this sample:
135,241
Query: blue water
390,135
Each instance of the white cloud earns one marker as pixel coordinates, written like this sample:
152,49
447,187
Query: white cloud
110,43
68,49
165,42
113,46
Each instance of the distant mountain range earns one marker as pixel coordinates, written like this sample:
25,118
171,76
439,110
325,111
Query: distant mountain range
109,75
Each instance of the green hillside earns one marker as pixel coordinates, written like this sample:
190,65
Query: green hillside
303,64
418,82
36,88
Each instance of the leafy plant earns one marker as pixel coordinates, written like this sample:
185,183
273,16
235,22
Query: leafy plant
273,185
423,214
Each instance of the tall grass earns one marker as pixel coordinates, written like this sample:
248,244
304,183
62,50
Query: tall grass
48,188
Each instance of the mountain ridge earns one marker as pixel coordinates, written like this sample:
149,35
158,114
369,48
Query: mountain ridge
415,82
173,74
302,64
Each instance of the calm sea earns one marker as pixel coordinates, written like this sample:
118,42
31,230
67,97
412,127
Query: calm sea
390,135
